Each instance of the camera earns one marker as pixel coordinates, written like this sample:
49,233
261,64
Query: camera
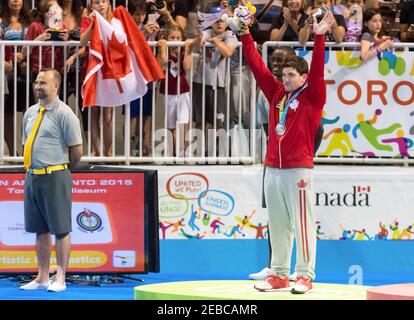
151,6
159,4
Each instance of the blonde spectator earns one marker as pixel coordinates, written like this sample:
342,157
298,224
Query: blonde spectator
291,20
104,9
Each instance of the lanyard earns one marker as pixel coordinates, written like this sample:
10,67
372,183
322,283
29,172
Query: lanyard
283,110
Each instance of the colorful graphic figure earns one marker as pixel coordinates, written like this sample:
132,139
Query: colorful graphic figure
367,154
193,218
347,234
371,133
344,59
215,225
390,62
176,225
164,228
245,221
383,234
361,235
234,231
124,259
206,218
403,143
259,230
197,236
318,230
339,141
328,121
395,232
407,232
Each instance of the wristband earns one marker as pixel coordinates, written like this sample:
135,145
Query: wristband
378,50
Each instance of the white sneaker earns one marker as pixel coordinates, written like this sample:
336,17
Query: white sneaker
33,285
261,275
293,276
56,287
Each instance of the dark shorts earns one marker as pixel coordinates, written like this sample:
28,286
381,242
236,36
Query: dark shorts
20,96
209,105
146,103
48,202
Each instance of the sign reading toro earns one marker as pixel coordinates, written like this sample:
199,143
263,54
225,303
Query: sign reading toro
187,185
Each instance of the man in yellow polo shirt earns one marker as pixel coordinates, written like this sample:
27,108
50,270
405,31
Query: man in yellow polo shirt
52,142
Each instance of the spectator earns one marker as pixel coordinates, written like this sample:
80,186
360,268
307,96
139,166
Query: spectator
179,11
39,31
290,21
371,43
14,23
104,8
173,13
407,22
178,91
150,29
72,15
265,16
8,67
354,20
338,28
338,8
388,23
215,75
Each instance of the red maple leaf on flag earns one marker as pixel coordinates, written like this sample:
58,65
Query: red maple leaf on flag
116,60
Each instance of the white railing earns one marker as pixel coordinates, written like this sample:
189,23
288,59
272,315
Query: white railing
234,146
226,150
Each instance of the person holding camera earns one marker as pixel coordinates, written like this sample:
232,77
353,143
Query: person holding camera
40,31
172,12
339,28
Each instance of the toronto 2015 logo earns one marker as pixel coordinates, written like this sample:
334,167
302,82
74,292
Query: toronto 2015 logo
89,221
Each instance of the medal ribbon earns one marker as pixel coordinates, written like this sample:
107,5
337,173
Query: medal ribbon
283,110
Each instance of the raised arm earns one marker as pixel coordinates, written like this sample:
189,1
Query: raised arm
316,81
265,79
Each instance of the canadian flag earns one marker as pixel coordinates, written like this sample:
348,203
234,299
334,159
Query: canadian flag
120,64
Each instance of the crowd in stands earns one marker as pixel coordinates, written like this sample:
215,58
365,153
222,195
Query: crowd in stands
376,24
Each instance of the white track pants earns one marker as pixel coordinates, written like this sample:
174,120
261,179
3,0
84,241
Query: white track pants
289,198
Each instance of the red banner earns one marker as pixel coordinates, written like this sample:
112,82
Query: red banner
108,232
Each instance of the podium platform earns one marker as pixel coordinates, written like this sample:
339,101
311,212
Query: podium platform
403,291
242,290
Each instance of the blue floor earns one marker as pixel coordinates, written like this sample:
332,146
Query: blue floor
368,263
9,288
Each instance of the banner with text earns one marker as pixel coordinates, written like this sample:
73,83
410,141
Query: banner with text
362,203
107,224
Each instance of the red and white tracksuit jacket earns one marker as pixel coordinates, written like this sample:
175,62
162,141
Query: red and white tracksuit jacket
289,162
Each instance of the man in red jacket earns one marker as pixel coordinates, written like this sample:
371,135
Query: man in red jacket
296,105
